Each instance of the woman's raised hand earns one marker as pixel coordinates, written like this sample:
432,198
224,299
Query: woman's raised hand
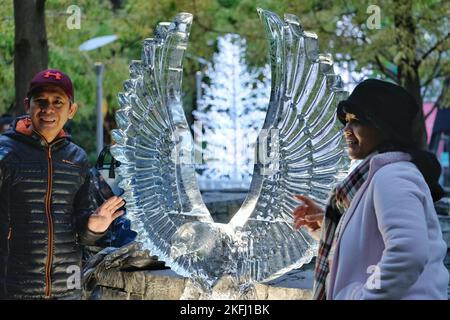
308,214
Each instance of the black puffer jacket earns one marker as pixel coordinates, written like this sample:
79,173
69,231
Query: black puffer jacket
44,207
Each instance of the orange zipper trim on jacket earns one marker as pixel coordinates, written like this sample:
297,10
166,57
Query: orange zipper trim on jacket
48,266
48,212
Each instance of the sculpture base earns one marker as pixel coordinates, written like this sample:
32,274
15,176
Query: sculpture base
167,285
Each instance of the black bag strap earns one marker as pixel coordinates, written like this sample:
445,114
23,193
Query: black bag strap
101,162
101,158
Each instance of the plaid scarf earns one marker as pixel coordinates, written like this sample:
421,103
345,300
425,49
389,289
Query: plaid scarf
338,203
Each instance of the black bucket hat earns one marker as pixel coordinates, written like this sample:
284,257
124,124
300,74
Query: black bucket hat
386,106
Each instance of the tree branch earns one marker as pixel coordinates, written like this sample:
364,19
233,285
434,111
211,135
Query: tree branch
436,45
434,72
437,104
387,72
430,112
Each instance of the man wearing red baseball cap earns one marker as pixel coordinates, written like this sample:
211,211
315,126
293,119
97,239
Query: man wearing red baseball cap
45,211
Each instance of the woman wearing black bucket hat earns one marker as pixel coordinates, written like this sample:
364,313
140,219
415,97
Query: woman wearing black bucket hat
380,235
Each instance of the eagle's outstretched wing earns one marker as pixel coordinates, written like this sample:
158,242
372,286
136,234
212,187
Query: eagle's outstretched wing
154,144
300,151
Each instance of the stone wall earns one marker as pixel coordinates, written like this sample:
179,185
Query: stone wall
167,285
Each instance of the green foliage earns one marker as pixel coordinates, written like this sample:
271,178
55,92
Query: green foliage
6,55
137,19
228,3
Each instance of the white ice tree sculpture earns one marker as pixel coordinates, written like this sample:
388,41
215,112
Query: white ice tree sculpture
230,114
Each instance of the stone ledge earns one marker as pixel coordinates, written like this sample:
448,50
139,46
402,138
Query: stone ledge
167,285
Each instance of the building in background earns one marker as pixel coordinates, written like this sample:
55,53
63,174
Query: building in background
439,143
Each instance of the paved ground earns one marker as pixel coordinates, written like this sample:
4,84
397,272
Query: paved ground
298,278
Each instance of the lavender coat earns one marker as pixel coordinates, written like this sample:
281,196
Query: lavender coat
391,246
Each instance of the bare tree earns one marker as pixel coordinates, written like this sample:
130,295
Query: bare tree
30,46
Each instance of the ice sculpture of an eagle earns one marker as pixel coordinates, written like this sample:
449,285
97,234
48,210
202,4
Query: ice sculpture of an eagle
155,148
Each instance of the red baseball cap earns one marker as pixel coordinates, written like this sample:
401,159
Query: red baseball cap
52,77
